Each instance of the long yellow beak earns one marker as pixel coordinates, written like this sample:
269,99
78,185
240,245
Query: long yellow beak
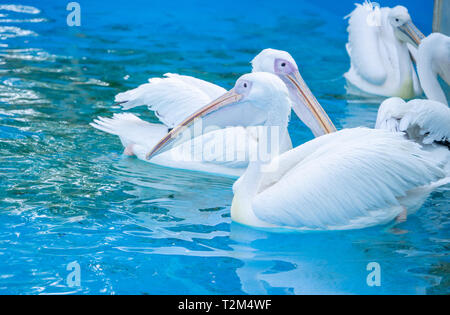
413,34
226,99
311,103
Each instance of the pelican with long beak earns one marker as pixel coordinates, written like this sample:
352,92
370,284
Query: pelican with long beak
379,47
155,142
349,179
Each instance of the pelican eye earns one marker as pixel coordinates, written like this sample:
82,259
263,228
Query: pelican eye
397,20
243,87
283,64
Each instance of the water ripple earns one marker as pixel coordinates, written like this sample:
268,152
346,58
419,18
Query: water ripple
7,32
19,8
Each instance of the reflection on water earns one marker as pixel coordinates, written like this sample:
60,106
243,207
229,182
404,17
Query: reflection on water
69,195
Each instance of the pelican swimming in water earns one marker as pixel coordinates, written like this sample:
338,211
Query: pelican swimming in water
179,100
425,121
378,48
353,178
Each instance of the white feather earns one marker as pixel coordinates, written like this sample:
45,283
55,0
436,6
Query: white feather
424,121
431,120
131,129
172,98
363,45
380,64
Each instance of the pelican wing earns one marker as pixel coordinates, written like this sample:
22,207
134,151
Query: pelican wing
424,121
390,113
350,179
364,44
172,98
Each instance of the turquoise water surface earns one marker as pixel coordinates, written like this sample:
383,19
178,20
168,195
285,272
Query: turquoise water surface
69,195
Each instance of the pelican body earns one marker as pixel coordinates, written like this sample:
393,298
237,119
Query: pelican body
351,179
379,54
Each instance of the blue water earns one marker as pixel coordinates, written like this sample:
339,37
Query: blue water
67,193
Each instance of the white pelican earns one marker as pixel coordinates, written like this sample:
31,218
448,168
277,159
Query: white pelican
353,178
378,48
176,97
144,139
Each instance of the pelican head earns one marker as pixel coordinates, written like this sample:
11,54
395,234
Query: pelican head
254,92
404,29
264,91
303,101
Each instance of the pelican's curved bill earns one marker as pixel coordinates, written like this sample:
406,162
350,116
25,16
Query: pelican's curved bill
310,101
414,35
228,98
